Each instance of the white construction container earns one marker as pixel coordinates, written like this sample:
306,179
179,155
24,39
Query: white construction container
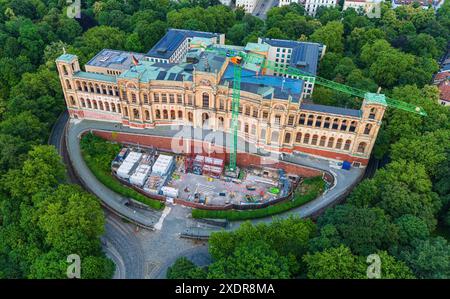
140,175
128,165
169,191
162,165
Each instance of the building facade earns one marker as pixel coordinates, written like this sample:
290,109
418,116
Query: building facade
371,8
311,6
273,114
248,5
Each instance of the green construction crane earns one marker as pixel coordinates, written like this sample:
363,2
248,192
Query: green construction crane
238,58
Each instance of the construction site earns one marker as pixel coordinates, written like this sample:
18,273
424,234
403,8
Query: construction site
200,179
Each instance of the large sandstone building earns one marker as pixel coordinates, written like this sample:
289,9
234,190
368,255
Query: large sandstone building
195,88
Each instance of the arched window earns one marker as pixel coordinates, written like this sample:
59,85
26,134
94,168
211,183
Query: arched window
135,114
323,139
110,90
89,103
344,125
133,98
72,101
83,103
275,137
85,87
310,120
253,132
172,114
277,119
287,138
339,143
362,147
291,120
347,145
165,114
373,113
78,85
147,115
97,88
247,110
335,124
326,123
100,104
353,126
301,120
106,106
330,142
246,128
180,114
94,102
318,121
190,117
205,100
221,122
119,109
367,129
113,107
314,140
65,70
298,137
306,139
125,111
91,87
157,114
263,135
68,85
104,91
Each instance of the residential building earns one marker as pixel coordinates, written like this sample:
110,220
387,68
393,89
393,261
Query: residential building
372,8
425,4
248,5
311,6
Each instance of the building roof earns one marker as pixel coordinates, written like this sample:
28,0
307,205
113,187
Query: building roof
444,89
170,42
255,47
114,59
147,71
330,109
264,85
95,76
304,56
442,76
66,57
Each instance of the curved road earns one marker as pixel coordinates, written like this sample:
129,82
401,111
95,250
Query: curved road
153,251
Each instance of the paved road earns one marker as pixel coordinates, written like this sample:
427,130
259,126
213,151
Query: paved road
155,250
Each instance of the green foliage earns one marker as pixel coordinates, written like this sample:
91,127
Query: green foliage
314,187
332,35
98,155
183,268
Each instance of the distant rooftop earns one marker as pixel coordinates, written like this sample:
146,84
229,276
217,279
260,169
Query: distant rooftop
167,45
114,59
304,56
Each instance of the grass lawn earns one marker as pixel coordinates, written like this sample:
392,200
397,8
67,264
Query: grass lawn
310,189
98,154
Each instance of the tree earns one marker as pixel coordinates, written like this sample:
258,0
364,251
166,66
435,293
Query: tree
411,228
255,260
364,230
183,268
429,259
332,35
334,263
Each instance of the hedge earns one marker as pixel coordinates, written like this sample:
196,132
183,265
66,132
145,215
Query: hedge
316,185
98,154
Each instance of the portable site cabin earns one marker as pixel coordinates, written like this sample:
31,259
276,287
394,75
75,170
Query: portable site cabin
162,165
128,165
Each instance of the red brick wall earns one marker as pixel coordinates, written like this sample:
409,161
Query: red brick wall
199,147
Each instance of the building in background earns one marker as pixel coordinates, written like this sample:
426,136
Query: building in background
198,92
372,8
174,45
248,5
311,6
425,4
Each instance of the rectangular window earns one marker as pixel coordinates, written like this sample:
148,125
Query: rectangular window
171,98
156,97
164,98
145,98
179,99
